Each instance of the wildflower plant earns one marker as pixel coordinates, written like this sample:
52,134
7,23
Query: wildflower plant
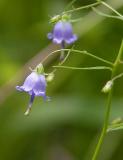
36,83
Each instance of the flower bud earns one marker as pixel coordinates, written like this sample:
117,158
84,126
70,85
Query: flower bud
107,87
66,17
39,68
55,19
117,120
50,77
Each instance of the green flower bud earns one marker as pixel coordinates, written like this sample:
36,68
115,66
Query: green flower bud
117,120
50,77
107,87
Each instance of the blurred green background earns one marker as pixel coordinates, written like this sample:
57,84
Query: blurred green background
66,128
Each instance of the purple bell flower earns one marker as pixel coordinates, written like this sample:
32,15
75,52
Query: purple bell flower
62,32
34,85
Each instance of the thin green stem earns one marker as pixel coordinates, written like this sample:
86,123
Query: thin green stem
62,62
85,53
108,106
70,4
80,8
106,15
117,76
75,20
119,57
85,68
111,8
104,127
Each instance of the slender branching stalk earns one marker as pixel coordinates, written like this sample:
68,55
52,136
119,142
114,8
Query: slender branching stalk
106,15
82,7
81,52
108,106
93,5
111,8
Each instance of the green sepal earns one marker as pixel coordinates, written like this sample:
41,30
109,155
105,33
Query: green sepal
39,69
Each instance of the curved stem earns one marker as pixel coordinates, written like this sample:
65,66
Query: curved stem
82,52
83,7
111,8
108,107
106,15
117,77
63,61
60,63
70,4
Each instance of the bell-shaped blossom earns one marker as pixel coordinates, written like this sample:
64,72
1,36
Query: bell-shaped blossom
34,85
62,33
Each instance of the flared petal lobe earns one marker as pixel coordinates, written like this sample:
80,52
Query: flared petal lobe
28,83
40,86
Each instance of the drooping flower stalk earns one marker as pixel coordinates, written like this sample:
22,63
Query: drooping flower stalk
62,51
30,104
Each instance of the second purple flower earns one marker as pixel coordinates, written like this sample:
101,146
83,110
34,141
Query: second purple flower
62,32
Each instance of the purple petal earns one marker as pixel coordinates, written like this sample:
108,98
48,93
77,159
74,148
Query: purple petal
68,32
46,98
22,88
63,32
71,40
30,81
58,33
57,41
42,94
50,36
35,84
19,88
40,85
